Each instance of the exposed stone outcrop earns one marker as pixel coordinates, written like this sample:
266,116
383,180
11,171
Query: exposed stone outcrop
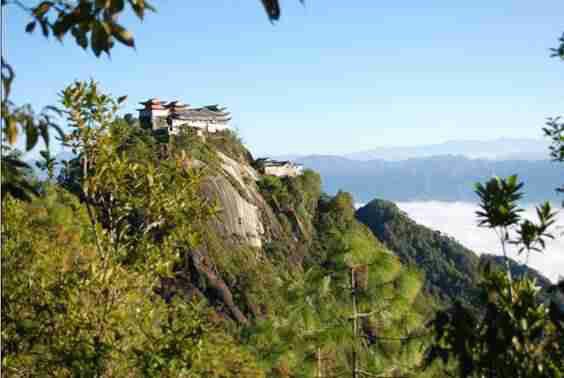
245,217
238,219
244,228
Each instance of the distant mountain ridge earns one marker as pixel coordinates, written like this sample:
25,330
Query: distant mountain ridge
446,178
497,149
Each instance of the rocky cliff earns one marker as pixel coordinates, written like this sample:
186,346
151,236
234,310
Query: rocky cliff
262,230
268,229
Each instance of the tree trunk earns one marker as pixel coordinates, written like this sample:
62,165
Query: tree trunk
219,286
354,324
319,366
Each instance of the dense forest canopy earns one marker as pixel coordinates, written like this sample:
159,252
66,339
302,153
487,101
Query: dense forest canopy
170,256
123,252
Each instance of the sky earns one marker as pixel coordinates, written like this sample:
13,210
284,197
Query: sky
330,77
458,219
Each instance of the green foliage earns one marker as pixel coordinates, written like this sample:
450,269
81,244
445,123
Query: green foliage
188,344
335,214
22,118
104,271
95,23
531,236
16,120
451,270
195,148
554,130
295,199
54,319
515,334
272,8
518,269
254,281
230,144
275,189
16,176
81,296
48,164
134,198
35,128
69,311
559,51
316,338
500,212
498,201
91,23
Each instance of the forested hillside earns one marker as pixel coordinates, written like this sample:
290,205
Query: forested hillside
172,256
162,248
155,254
452,272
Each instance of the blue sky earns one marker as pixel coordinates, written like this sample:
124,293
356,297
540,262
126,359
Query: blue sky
330,77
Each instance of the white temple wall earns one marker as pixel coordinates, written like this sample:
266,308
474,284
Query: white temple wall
159,123
283,171
221,126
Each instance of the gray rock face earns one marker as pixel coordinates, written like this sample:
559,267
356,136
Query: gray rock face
244,225
244,217
238,218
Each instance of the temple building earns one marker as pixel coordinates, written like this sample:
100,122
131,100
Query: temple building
286,168
173,116
153,114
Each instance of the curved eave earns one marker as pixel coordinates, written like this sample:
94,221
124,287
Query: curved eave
153,101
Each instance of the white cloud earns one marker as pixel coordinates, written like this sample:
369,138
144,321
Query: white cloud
458,220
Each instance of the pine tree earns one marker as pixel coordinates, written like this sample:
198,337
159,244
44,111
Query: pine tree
356,307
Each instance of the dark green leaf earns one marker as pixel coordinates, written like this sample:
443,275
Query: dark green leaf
44,131
42,9
122,35
44,28
116,6
64,24
149,6
54,109
98,39
272,8
32,135
80,37
30,27
102,4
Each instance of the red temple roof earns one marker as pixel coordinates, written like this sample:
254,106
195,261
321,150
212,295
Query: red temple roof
174,105
153,101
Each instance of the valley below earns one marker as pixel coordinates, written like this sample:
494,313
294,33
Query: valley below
458,220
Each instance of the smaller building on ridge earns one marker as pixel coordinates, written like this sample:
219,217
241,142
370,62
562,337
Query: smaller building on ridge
278,168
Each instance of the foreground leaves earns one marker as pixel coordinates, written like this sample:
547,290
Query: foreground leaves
516,332
516,336
82,275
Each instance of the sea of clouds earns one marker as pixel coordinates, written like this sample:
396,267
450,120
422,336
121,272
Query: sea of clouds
458,219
